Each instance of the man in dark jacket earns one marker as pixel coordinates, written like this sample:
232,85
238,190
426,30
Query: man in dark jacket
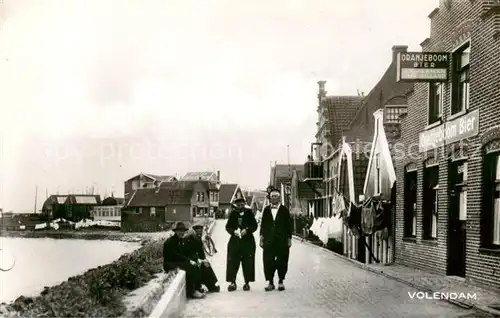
241,225
208,277
276,230
176,254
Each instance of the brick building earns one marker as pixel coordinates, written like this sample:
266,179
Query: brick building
448,206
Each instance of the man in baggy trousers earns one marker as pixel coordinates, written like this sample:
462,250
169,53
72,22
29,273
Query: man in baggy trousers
276,230
241,246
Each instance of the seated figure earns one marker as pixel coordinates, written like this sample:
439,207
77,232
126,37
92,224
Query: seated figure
177,254
197,254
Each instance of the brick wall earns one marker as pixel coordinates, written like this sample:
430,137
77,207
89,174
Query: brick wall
450,27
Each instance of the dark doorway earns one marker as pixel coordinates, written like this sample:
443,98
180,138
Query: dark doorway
361,257
457,218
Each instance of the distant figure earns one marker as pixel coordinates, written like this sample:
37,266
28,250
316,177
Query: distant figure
176,254
208,277
241,225
276,228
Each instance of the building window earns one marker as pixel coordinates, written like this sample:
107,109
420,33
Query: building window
135,184
392,114
202,197
216,197
430,198
460,101
152,211
410,204
435,102
491,216
377,174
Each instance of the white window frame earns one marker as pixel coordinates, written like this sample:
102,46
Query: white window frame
496,206
152,211
386,113
453,86
434,216
414,220
430,99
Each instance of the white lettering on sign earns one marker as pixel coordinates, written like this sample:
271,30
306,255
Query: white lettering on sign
424,57
424,73
466,125
450,132
441,295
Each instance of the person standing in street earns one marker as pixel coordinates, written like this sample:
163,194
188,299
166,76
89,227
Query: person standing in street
241,247
276,230
176,254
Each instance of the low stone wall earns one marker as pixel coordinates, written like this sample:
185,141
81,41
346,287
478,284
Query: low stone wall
173,301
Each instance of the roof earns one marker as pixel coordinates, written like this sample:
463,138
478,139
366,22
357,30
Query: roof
340,111
86,199
195,176
226,192
151,197
189,184
386,91
154,177
283,174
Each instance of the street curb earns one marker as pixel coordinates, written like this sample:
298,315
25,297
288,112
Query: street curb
211,227
461,304
173,301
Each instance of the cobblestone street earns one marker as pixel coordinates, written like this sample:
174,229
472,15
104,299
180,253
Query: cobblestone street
319,284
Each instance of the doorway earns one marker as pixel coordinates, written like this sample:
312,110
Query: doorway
457,218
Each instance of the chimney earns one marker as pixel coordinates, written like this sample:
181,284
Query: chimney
218,175
321,90
398,49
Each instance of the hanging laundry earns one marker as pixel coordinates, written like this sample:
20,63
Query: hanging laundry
367,219
334,228
40,226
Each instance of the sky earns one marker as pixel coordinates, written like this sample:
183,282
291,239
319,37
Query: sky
93,92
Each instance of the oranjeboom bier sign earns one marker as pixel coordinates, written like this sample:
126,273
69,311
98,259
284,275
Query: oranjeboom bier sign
423,66
449,132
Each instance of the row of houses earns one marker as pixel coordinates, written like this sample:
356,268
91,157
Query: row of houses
422,148
151,201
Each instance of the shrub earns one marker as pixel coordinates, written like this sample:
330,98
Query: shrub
97,292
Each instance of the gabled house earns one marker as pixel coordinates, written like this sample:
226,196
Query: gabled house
227,194
205,195
153,209
379,188
301,194
281,178
144,180
343,146
72,207
186,200
357,147
259,201
109,210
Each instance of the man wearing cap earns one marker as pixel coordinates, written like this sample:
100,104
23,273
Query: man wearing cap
176,254
241,225
208,277
276,228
